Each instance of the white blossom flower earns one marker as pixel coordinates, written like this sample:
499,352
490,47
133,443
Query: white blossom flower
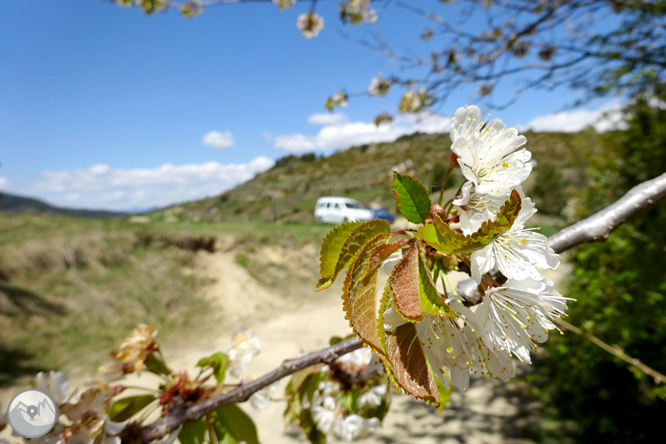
414,101
246,346
324,414
55,384
359,5
475,208
519,314
90,422
518,253
310,24
259,400
370,16
191,8
354,426
376,364
391,261
379,86
340,99
358,358
284,4
489,158
373,397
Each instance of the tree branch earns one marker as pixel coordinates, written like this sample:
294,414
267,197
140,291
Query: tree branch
175,419
599,226
595,228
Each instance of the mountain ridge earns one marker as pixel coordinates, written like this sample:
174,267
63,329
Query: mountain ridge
287,193
15,204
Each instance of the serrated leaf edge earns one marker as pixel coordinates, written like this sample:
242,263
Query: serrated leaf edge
395,195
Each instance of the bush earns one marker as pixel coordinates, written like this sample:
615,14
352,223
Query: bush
620,286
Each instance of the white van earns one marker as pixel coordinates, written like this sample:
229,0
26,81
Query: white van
334,210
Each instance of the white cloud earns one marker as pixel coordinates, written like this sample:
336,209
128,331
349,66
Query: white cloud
3,182
101,186
603,119
327,119
339,133
219,141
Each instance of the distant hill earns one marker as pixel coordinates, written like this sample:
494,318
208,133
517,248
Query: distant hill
13,204
288,191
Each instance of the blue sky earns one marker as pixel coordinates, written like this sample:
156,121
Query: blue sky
105,107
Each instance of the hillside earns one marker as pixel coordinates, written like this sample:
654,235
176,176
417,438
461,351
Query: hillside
12,204
288,191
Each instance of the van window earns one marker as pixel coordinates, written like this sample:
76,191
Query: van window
337,206
354,205
328,205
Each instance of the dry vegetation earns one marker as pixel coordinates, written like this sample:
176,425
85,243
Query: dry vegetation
70,289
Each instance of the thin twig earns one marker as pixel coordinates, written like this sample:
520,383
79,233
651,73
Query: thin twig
615,351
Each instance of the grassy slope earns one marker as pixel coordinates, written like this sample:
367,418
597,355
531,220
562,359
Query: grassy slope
71,289
288,192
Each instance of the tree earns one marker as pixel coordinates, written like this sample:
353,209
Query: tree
620,287
594,47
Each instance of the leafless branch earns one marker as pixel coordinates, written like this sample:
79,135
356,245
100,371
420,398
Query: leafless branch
599,226
595,228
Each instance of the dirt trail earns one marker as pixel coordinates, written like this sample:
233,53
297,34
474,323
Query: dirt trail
304,322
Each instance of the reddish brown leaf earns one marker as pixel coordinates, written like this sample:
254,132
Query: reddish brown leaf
404,282
382,252
408,363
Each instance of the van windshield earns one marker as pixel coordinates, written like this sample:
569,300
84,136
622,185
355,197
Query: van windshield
354,205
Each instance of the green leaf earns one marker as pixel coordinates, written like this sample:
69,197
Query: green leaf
341,244
331,247
442,238
155,364
237,424
444,393
314,435
408,363
414,292
125,408
310,386
193,433
218,362
335,340
412,198
432,301
360,296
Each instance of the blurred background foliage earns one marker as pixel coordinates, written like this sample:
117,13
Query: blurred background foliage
619,286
